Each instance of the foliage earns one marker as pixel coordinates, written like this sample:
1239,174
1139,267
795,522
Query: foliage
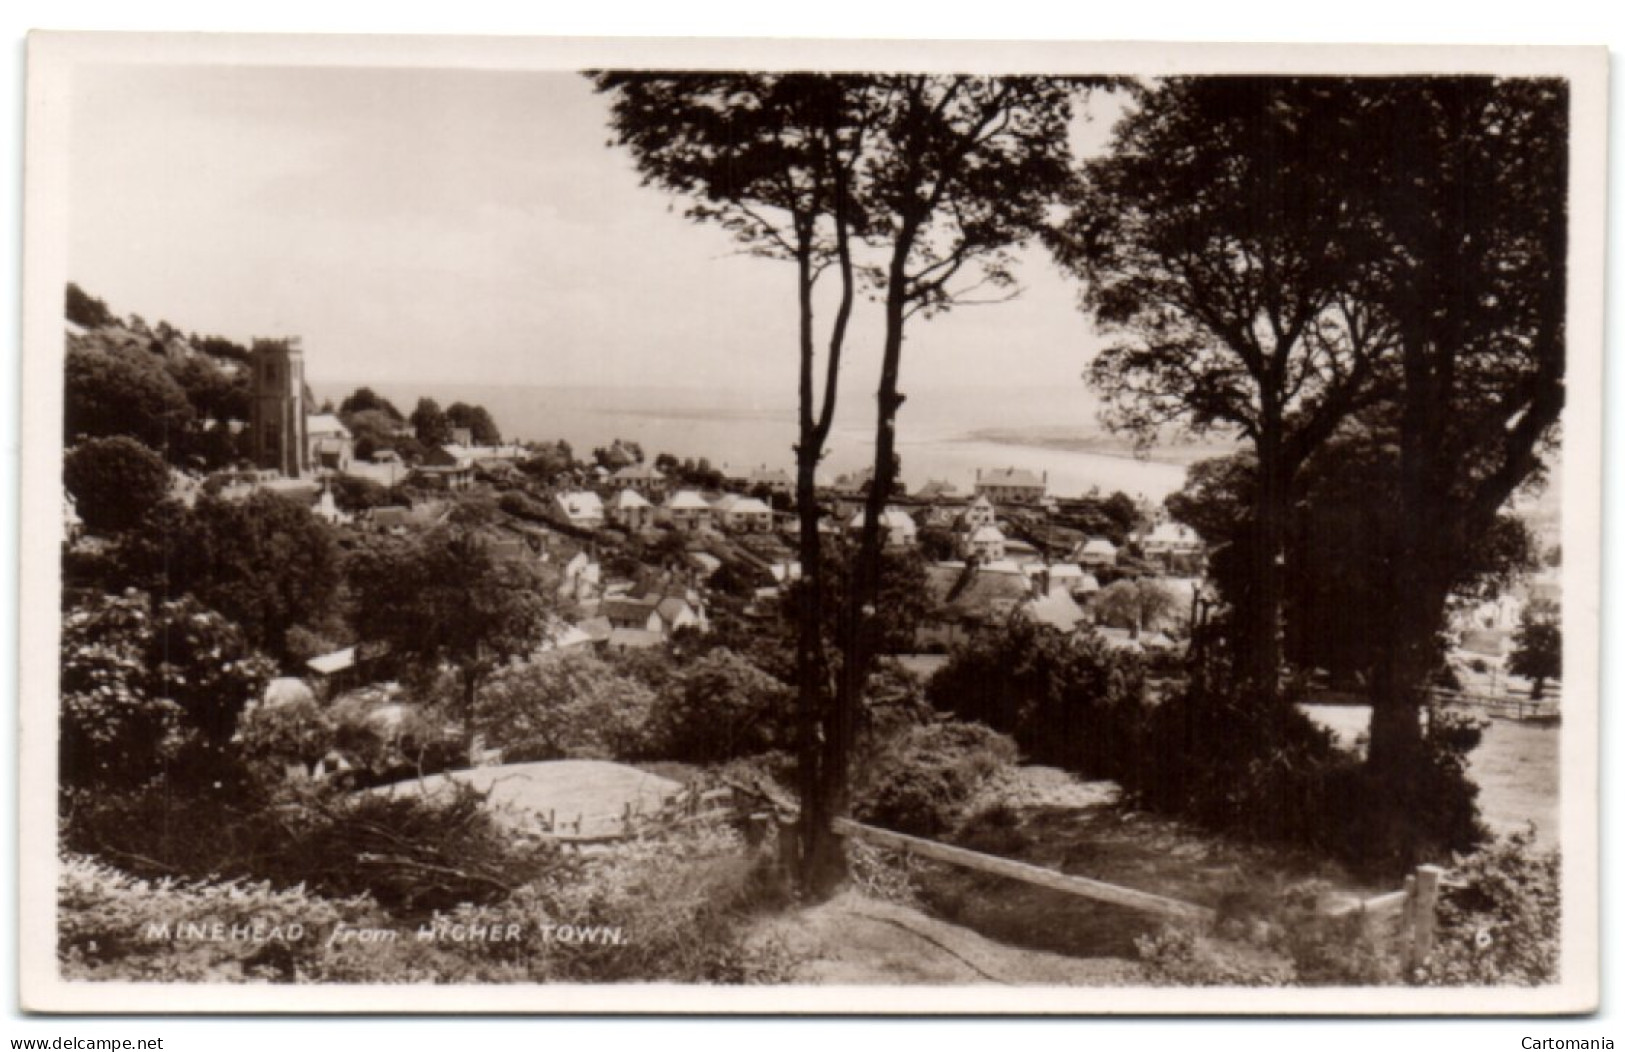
365,399
918,780
151,688
547,462
718,707
1538,646
570,705
429,423
482,429
273,738
265,562
444,598
353,493
619,454
84,309
1504,925
1139,604
120,392
115,482
1272,774
1070,703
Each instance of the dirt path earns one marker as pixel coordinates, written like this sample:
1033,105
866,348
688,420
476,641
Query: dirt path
854,940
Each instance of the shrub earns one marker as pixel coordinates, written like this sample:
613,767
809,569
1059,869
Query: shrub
718,707
148,687
1070,703
273,738
918,781
114,481
1503,927
565,705
1271,773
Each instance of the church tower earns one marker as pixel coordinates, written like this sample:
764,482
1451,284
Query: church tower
279,407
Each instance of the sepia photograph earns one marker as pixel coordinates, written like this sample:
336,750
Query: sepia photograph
514,525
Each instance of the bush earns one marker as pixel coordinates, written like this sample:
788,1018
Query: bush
919,780
568,705
718,707
1069,703
149,688
114,481
1505,925
1271,773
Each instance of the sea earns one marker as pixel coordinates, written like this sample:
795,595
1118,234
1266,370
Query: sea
942,433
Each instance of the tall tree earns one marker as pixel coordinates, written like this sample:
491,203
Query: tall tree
1213,237
1468,188
772,158
444,598
1538,647
429,423
957,173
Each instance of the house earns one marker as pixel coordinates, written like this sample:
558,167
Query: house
630,510
986,544
687,511
658,615
582,579
980,513
742,514
642,479
1169,538
776,481
582,508
1096,552
330,446
899,528
449,466
854,485
1011,485
1055,610
1068,578
341,670
327,509
964,598
936,490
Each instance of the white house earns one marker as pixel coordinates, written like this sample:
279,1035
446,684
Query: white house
1011,485
899,528
331,447
582,508
630,510
979,514
742,514
1096,552
687,511
986,544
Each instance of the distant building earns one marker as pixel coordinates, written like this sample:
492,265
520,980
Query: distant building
742,514
277,413
936,490
1096,552
642,479
900,529
1011,485
582,508
775,480
629,510
979,514
687,511
986,544
331,447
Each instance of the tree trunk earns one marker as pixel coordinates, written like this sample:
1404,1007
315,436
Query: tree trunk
858,616
1262,665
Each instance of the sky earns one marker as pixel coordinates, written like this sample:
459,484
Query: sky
464,226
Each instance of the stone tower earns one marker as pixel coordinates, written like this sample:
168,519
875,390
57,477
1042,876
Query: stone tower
279,407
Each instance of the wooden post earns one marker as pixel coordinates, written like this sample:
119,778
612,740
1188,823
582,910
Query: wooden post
1407,923
1423,919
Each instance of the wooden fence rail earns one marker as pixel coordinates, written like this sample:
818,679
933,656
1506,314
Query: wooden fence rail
1025,872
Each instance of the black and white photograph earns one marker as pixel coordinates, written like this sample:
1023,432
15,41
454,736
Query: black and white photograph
629,526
